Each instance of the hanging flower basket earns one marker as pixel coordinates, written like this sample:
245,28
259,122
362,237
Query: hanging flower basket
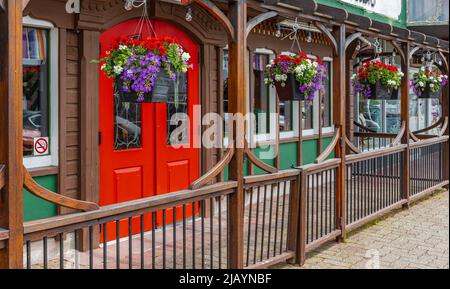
159,93
379,91
428,82
290,89
376,80
295,77
145,70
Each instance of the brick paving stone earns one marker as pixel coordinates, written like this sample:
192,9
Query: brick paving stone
417,238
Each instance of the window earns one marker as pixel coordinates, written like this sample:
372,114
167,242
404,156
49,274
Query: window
262,93
308,114
40,92
327,94
423,112
263,102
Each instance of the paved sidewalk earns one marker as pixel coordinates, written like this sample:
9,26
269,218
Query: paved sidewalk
406,239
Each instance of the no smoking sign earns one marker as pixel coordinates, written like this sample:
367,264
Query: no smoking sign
40,146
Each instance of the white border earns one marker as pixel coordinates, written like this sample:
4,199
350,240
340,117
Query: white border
52,158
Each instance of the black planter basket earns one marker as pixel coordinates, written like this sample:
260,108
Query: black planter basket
160,93
427,93
381,92
290,90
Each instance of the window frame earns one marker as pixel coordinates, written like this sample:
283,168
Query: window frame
53,83
330,128
272,128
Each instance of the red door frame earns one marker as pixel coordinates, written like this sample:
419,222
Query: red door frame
153,166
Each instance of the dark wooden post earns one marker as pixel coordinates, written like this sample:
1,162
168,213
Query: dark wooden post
445,113
302,233
237,95
405,118
339,89
11,131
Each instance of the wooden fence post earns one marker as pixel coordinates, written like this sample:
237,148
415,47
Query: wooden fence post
237,95
339,89
445,112
293,218
302,230
11,132
405,186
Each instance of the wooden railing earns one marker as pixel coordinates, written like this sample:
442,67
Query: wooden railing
286,214
427,159
186,229
373,184
271,217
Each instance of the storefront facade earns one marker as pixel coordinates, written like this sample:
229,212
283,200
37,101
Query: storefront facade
102,151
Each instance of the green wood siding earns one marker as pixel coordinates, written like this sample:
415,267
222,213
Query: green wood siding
35,208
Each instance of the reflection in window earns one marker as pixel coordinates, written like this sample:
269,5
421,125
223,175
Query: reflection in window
225,90
35,87
326,101
261,101
127,124
286,116
393,116
177,111
382,116
307,114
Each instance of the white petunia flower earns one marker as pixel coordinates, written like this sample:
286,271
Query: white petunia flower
118,69
185,56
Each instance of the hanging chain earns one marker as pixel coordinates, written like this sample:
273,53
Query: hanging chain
144,20
294,36
378,48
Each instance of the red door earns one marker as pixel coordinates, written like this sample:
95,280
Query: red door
136,158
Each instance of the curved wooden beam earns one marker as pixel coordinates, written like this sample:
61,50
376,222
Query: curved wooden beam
413,137
398,139
54,198
257,162
444,60
352,38
413,51
2,176
363,127
323,156
436,124
259,19
219,16
351,146
444,127
214,171
329,35
400,51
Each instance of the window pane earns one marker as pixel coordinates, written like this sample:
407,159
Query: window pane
127,124
225,90
261,101
286,116
393,116
307,114
35,87
370,114
177,110
326,101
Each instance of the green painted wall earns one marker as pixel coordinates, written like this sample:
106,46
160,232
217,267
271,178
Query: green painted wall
36,208
360,11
